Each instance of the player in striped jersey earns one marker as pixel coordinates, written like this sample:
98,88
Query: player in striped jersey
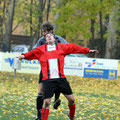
51,57
46,27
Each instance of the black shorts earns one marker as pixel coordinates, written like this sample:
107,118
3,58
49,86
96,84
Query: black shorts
40,77
50,86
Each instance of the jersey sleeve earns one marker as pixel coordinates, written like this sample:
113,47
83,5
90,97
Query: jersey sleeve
33,54
73,48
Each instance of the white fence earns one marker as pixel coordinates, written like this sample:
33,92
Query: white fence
84,67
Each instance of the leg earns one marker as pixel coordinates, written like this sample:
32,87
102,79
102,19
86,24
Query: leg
71,104
49,88
45,109
39,100
57,101
57,95
65,88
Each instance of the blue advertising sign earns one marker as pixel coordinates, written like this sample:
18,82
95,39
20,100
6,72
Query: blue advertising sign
100,73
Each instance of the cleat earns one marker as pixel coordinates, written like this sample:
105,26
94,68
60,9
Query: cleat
37,118
71,118
56,104
39,115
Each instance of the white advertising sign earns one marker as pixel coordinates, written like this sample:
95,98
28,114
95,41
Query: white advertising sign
74,66
83,67
101,63
27,66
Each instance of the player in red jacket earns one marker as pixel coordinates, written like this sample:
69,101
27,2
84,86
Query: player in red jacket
51,57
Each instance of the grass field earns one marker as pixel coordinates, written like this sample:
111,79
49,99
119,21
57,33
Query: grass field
96,99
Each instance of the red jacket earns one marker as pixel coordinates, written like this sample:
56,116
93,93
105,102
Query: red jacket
51,58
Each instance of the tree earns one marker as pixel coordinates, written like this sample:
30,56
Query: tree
48,10
73,16
30,16
9,23
31,11
41,7
26,13
84,19
2,21
101,44
113,34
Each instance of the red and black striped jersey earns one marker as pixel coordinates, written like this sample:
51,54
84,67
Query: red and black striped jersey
51,58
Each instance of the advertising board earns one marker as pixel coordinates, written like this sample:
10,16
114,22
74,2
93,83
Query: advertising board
26,66
118,73
83,67
74,66
100,68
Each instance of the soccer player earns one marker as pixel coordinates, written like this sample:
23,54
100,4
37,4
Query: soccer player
46,27
51,57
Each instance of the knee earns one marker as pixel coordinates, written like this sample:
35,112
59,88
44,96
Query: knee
72,101
47,103
40,91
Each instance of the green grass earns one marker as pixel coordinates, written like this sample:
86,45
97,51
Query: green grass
96,99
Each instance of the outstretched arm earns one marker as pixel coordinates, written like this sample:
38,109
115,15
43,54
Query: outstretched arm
30,55
73,48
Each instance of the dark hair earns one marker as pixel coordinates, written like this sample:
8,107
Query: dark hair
47,26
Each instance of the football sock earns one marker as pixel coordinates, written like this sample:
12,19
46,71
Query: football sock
57,95
72,111
45,114
39,104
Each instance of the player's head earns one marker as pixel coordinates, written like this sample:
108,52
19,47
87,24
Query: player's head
50,39
46,28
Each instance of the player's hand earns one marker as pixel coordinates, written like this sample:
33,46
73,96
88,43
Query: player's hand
21,57
93,51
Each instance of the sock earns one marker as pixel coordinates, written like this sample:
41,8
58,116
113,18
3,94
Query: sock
39,104
72,111
45,114
57,95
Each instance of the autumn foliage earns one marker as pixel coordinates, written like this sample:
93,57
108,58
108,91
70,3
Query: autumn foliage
96,99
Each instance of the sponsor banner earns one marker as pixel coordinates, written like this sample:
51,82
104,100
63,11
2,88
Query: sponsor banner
26,66
118,73
83,67
74,66
101,63
0,61
100,68
100,73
